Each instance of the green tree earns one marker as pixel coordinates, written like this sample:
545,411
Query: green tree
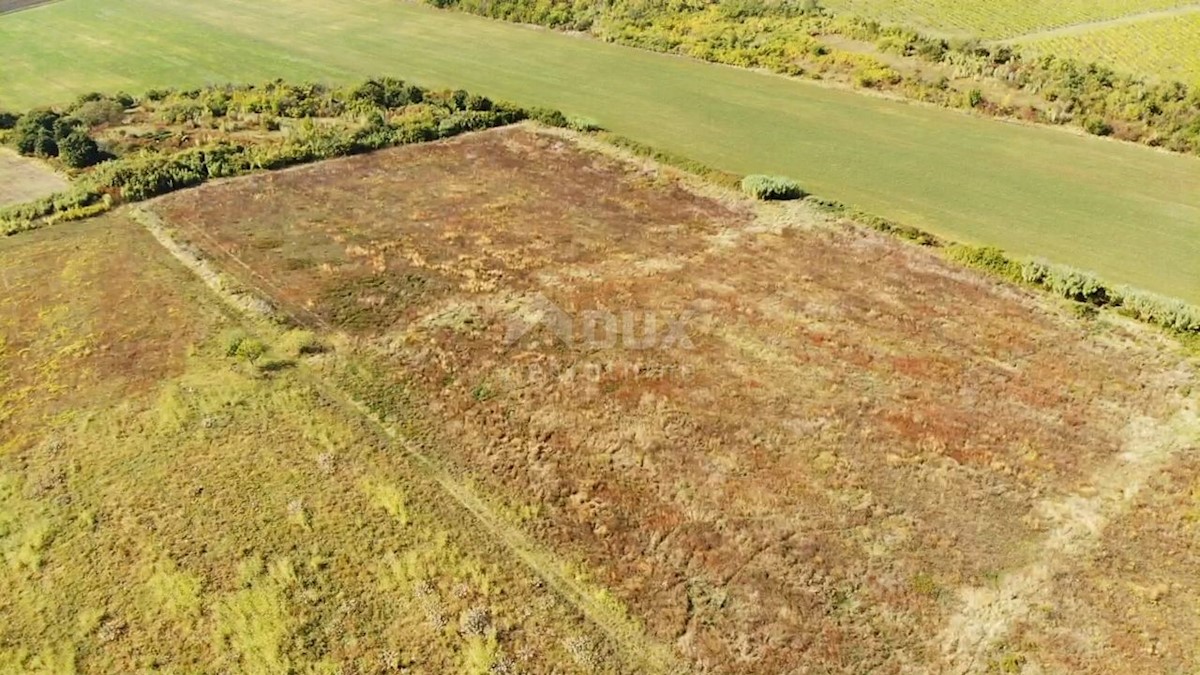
78,150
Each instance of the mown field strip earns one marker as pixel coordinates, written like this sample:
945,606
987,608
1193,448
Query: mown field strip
1130,213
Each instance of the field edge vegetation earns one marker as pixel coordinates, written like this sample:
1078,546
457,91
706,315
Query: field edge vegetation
386,112
785,38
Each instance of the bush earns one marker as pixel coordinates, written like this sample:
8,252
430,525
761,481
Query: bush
34,134
297,343
77,150
1166,312
584,124
96,113
1097,126
772,187
986,258
1075,285
8,120
553,118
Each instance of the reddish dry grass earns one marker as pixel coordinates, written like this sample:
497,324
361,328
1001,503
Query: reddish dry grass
858,429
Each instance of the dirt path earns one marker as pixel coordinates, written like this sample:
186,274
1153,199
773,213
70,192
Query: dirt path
638,649
1075,525
1081,28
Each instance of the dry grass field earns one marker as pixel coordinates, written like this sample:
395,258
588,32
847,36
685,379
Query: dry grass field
24,180
780,444
171,503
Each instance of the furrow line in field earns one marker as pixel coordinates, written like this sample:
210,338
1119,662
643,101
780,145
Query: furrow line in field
630,639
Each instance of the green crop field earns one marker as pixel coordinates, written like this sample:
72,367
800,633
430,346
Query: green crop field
997,18
1168,47
1130,213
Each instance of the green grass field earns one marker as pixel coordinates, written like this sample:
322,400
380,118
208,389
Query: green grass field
1130,213
997,18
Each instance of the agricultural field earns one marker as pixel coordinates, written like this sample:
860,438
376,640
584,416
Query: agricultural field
998,19
1031,191
9,6
1167,47
779,443
24,180
177,495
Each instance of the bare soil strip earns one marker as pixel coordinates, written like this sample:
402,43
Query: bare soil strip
1079,28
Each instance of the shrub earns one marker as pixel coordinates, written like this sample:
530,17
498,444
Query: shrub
987,258
584,124
1166,312
96,113
34,134
230,340
250,349
1075,285
772,187
297,343
1097,126
8,120
1035,272
553,118
77,150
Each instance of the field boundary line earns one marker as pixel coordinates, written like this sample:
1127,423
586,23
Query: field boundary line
1076,524
630,639
1090,26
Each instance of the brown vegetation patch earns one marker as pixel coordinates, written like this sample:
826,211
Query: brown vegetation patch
851,430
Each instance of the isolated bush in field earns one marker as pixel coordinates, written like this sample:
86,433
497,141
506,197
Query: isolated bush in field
250,349
772,187
8,120
296,343
230,340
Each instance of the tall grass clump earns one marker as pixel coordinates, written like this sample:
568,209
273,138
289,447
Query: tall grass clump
772,188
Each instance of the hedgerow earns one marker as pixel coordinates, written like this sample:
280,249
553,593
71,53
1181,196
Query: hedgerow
1083,287
321,123
779,35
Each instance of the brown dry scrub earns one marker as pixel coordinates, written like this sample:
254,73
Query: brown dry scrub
858,436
